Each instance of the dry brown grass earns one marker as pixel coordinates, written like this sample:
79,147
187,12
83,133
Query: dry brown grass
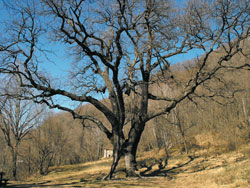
206,169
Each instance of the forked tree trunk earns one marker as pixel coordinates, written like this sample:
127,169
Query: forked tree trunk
127,149
131,149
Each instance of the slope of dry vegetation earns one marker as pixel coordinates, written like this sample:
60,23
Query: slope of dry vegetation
206,168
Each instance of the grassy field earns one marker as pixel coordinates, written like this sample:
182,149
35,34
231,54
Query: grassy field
206,168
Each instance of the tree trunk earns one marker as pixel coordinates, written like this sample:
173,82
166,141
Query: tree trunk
117,140
14,163
131,149
130,163
116,157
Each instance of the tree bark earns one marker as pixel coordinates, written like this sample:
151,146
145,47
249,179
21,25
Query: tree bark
116,157
14,162
131,149
130,164
117,140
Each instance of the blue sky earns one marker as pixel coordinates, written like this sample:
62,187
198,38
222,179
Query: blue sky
61,62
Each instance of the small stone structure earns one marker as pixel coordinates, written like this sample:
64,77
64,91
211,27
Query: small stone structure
108,153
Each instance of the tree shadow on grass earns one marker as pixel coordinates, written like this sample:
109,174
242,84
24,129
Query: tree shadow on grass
169,172
161,172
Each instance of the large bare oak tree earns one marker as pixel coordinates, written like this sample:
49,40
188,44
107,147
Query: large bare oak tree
119,47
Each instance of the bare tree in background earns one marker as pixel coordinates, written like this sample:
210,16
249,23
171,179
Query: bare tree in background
17,118
118,46
47,141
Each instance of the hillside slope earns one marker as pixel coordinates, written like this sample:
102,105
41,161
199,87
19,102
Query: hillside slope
206,168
